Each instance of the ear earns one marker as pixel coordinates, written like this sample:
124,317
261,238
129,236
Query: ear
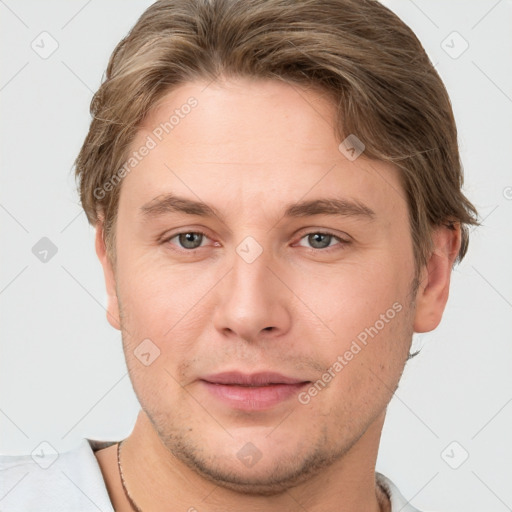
434,287
110,280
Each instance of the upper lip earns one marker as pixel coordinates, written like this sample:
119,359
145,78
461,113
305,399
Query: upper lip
251,379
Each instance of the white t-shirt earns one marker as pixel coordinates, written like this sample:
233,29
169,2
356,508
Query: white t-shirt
72,482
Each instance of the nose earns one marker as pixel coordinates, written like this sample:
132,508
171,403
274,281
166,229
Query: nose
252,302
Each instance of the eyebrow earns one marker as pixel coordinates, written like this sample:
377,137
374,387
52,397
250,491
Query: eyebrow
171,203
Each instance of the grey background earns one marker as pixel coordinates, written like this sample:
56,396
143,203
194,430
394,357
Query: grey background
62,370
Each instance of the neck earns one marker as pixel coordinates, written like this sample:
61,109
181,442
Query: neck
155,477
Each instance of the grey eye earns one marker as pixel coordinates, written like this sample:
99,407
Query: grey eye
319,240
190,240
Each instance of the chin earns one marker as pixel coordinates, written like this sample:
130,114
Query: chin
269,481
276,472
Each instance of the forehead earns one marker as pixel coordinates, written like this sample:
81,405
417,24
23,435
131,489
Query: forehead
249,143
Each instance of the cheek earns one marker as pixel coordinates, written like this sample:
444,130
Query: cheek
352,297
157,298
362,372
169,308
365,312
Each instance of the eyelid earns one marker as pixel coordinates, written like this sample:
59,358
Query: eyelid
324,231
341,241
302,234
166,238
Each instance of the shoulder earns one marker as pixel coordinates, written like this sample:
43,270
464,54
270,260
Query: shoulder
47,480
398,501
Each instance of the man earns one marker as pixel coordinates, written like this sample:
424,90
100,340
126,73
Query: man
276,191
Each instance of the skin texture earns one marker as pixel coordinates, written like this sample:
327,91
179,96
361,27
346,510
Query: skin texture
249,148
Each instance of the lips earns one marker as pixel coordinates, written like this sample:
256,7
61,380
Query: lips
251,380
252,392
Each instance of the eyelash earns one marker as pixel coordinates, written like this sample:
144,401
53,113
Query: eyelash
324,250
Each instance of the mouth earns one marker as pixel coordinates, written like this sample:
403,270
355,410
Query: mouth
252,392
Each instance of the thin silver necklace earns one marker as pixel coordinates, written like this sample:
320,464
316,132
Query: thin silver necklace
138,509
127,494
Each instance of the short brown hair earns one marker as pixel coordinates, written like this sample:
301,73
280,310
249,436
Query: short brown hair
361,55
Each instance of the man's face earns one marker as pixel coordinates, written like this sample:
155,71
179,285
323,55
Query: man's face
262,291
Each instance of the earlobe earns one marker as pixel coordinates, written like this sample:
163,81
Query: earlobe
434,287
110,281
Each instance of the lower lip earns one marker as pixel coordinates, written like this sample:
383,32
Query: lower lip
253,398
